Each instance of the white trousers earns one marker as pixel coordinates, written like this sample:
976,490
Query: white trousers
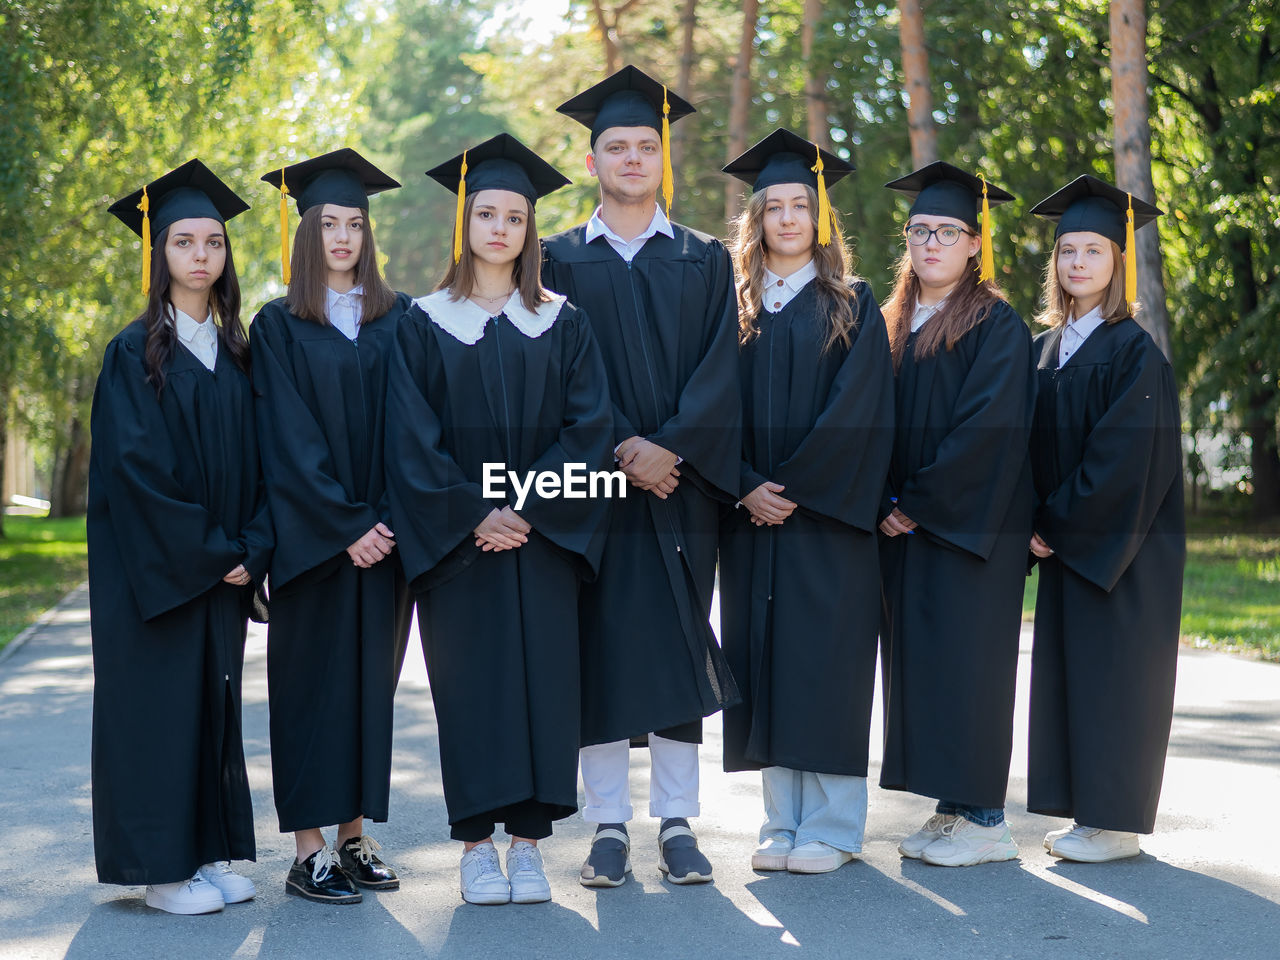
606,780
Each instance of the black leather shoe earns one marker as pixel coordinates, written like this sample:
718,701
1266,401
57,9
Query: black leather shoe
363,866
321,878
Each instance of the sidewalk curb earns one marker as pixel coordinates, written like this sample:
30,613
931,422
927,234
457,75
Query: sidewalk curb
17,642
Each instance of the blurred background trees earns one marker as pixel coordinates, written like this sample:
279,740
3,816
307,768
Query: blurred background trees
100,97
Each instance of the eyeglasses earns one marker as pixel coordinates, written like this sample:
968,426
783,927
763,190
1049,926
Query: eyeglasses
947,234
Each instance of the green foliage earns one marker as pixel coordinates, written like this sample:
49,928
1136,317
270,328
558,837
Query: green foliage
40,560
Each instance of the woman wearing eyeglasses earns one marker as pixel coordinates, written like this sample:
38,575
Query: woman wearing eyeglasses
955,519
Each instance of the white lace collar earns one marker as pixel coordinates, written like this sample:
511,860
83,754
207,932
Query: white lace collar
465,321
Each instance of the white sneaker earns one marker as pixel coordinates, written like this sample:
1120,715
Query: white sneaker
196,895
482,879
234,887
965,844
528,879
1092,845
914,845
1053,835
772,854
817,857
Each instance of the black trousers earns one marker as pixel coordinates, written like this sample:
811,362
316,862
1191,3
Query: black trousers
528,818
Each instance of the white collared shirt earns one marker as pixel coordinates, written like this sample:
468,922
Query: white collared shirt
627,249
344,310
779,291
924,314
200,338
1076,332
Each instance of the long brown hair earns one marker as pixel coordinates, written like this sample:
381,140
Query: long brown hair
308,273
159,318
966,306
1059,306
836,302
460,278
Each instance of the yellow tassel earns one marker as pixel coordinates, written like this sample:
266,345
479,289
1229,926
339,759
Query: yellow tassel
457,219
145,207
987,268
668,175
284,230
824,205
1130,261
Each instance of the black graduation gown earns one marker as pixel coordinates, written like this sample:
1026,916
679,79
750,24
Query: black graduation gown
953,589
175,503
335,628
1107,457
667,328
499,629
800,602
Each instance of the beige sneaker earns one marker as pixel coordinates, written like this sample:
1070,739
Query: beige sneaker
914,845
965,844
1053,835
772,854
1091,845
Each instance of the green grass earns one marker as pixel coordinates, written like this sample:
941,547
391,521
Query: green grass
40,560
1231,589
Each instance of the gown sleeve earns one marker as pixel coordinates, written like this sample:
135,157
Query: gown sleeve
434,506
314,519
173,548
577,525
1097,519
839,469
961,497
706,429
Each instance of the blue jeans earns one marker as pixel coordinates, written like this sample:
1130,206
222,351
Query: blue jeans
982,816
802,806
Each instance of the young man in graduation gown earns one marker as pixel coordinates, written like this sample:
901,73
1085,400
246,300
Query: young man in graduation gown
1106,453
660,300
179,534
341,607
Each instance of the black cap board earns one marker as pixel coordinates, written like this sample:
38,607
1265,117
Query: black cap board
1090,205
342,177
189,191
786,157
629,98
943,190
500,163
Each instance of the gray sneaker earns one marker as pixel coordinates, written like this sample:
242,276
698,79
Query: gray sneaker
482,879
528,879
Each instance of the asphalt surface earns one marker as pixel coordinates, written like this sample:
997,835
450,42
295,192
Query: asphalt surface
1206,886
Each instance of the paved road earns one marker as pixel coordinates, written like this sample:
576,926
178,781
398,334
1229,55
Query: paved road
1208,885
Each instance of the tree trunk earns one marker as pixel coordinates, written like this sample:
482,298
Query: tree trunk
608,37
679,135
740,102
1133,155
915,72
815,80
69,494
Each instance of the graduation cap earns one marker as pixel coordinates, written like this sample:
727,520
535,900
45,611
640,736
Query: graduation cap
943,190
631,98
342,177
1088,204
189,191
786,157
500,163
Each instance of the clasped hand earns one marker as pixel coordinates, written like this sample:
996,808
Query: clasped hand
649,466
767,508
502,530
373,546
